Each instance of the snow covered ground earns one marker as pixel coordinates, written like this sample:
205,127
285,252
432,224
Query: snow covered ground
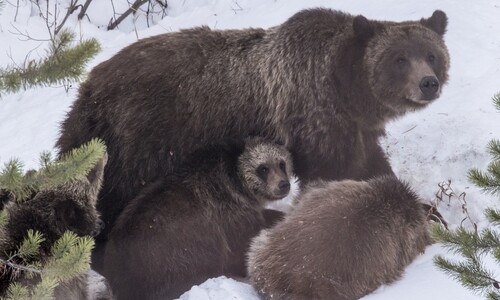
437,144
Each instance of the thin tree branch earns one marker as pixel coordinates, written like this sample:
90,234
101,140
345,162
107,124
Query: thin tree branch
71,9
84,9
19,267
132,9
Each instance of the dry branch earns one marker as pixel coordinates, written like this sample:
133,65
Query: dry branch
71,9
132,9
84,9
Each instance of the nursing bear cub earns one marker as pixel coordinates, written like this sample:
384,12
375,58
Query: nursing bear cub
324,82
341,241
196,223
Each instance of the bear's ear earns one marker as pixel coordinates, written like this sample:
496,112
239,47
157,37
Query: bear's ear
437,22
363,29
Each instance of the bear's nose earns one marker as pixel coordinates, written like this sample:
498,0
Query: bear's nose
429,85
284,186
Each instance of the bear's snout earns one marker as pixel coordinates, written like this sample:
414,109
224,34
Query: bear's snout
429,85
284,187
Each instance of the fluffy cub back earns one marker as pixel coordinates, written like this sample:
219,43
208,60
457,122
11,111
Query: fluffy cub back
341,241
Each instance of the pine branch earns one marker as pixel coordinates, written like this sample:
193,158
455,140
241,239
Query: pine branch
493,216
470,273
489,183
70,257
62,63
19,267
464,242
493,295
73,166
31,245
45,289
45,159
494,149
17,292
11,178
459,241
496,101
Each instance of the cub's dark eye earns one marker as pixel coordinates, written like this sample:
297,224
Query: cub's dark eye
431,57
283,166
401,61
262,172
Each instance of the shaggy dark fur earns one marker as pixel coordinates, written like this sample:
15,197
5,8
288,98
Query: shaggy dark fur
196,223
324,82
52,212
341,241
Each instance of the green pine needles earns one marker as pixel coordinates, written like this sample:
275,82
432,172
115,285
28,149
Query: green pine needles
70,257
70,254
72,166
470,271
62,63
472,246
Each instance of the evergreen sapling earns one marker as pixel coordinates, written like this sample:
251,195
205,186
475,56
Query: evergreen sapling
472,246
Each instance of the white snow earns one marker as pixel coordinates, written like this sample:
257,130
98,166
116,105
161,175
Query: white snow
437,144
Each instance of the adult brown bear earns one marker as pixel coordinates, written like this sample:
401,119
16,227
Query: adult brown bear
324,83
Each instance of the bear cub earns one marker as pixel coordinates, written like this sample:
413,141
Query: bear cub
341,241
198,222
72,207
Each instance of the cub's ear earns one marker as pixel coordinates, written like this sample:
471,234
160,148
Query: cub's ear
363,29
437,22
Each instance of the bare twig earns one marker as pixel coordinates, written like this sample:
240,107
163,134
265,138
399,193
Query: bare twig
26,35
17,10
49,26
163,4
71,9
410,129
45,17
83,11
445,191
114,12
122,17
15,266
238,8
152,11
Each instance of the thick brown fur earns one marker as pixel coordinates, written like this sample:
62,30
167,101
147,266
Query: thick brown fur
324,82
341,241
52,212
196,223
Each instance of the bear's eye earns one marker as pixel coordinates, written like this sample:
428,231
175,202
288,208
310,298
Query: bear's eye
283,166
262,172
401,60
431,57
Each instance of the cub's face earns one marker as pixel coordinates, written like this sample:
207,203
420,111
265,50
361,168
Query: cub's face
273,178
408,63
266,169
